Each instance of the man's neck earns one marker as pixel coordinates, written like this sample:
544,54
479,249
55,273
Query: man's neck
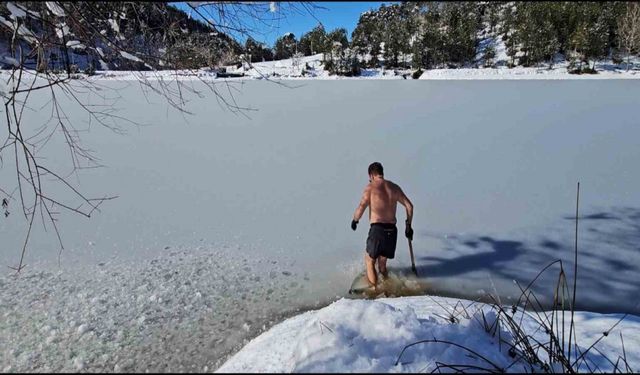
375,178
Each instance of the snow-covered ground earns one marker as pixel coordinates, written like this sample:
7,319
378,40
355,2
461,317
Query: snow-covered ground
369,336
491,167
311,68
605,71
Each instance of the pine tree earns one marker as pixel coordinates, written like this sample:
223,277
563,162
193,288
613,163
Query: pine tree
315,41
252,49
285,46
340,36
433,37
578,44
590,39
304,45
488,55
508,33
417,53
366,37
535,32
629,31
461,25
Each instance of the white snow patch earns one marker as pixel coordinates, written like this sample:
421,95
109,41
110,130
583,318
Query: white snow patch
16,11
114,25
9,60
76,44
129,56
62,30
529,73
103,65
368,336
55,8
22,30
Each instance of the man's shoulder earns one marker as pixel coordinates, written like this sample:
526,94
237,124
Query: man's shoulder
393,184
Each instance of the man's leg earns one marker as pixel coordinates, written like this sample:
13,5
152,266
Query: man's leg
382,266
371,269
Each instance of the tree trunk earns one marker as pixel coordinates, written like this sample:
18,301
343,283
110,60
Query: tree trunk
628,59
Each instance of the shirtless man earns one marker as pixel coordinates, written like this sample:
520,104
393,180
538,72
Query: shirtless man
382,197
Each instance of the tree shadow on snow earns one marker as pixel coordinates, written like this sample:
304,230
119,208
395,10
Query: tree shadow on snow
608,261
503,251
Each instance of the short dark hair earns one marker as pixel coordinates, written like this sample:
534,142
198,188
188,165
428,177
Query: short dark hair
375,169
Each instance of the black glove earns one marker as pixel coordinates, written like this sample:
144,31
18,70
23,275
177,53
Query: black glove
354,224
409,232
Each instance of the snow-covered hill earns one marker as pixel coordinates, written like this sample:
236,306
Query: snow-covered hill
312,67
84,36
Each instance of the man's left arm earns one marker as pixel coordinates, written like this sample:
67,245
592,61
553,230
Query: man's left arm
404,200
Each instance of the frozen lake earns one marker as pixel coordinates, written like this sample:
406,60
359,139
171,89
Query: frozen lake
491,167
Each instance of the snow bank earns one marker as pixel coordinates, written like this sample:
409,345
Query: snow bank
369,336
312,68
524,73
348,334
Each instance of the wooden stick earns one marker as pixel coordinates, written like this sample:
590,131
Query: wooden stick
413,262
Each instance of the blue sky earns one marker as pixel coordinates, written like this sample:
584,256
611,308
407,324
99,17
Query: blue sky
331,14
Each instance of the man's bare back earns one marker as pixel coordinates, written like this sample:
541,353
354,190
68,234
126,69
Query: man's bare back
382,197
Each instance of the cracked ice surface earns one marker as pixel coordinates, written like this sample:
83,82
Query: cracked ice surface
186,310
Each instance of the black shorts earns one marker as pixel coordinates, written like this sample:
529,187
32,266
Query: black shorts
382,240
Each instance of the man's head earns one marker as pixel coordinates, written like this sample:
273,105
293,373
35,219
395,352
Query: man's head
375,169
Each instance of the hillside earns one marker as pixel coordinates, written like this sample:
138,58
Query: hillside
443,39
84,36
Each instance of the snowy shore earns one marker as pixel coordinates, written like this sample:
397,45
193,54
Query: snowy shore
369,336
312,68
379,74
285,73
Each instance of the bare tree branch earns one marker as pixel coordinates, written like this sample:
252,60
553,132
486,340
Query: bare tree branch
54,49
